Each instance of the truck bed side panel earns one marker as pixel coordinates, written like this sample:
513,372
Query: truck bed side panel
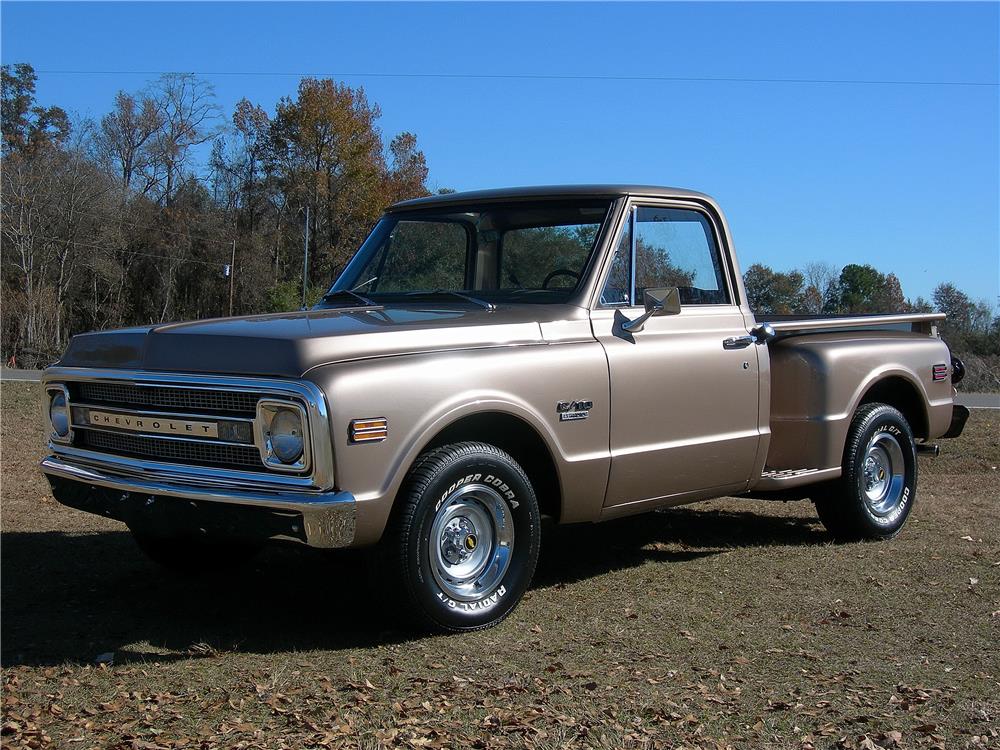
818,380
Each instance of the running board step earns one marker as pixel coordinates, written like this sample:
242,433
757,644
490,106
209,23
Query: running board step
782,479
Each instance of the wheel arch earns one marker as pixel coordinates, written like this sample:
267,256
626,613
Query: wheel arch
515,436
900,392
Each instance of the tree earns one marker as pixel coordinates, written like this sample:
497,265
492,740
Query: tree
954,303
329,156
26,126
957,306
52,202
890,298
125,136
187,108
919,305
860,287
773,292
821,285
407,176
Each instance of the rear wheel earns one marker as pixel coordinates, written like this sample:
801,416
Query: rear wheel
877,490
190,556
464,539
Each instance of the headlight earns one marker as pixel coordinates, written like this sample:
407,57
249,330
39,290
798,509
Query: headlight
283,435
58,413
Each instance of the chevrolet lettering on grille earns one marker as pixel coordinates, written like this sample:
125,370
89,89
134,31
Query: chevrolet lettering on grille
158,425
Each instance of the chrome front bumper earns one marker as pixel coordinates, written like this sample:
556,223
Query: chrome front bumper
327,518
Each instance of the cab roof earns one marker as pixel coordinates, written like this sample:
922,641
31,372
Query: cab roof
549,192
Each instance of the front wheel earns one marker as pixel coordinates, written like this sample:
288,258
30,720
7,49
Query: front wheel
878,487
465,536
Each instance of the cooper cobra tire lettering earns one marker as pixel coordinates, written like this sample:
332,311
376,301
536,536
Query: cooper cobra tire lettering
455,486
500,485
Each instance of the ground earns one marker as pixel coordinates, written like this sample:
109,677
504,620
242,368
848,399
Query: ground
729,623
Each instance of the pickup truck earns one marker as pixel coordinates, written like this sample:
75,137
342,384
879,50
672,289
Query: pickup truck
486,360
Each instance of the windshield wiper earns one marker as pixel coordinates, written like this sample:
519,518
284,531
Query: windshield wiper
448,292
345,295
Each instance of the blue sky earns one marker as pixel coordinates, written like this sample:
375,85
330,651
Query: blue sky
905,177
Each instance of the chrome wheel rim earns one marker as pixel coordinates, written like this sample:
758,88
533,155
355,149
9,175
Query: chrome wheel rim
883,474
471,541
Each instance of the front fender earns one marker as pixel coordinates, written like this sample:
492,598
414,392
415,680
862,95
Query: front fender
421,395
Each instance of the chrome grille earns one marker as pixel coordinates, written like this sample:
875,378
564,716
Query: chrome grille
183,400
231,402
172,451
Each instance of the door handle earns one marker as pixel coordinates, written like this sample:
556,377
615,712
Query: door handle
737,342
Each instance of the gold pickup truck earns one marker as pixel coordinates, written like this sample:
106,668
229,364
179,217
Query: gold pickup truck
487,359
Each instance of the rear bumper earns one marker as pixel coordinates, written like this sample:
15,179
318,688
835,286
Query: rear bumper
959,416
324,520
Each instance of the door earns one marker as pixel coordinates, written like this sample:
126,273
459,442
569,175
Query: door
684,417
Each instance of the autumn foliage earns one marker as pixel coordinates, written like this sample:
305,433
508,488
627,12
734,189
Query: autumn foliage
131,220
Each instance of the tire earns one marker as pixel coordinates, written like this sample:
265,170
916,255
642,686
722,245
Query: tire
188,556
464,538
878,487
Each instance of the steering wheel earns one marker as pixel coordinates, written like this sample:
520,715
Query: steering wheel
559,272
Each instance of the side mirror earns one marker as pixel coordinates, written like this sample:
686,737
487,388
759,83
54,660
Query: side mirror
665,301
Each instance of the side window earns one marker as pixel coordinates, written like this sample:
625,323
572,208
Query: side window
675,247
620,275
423,255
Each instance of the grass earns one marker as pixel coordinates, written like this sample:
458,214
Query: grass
725,624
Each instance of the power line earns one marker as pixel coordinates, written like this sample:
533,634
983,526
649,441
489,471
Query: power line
534,77
130,252
150,227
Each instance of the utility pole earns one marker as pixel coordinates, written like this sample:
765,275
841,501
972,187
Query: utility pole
232,278
305,262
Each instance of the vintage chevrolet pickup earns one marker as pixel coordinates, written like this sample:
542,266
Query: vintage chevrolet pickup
486,359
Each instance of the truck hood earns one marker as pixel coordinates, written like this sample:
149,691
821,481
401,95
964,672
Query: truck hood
289,344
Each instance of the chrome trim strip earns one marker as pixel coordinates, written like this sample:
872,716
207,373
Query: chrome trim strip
161,436
771,481
66,439
865,321
303,391
172,414
378,432
267,456
632,245
143,468
328,518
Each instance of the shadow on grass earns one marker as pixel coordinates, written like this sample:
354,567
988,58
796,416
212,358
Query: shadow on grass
68,598
573,553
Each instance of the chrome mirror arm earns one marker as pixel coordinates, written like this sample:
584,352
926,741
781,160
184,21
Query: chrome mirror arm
763,333
634,326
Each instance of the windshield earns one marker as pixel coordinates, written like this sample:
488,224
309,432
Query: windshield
508,252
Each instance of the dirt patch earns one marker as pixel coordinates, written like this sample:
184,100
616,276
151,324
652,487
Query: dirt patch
730,623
